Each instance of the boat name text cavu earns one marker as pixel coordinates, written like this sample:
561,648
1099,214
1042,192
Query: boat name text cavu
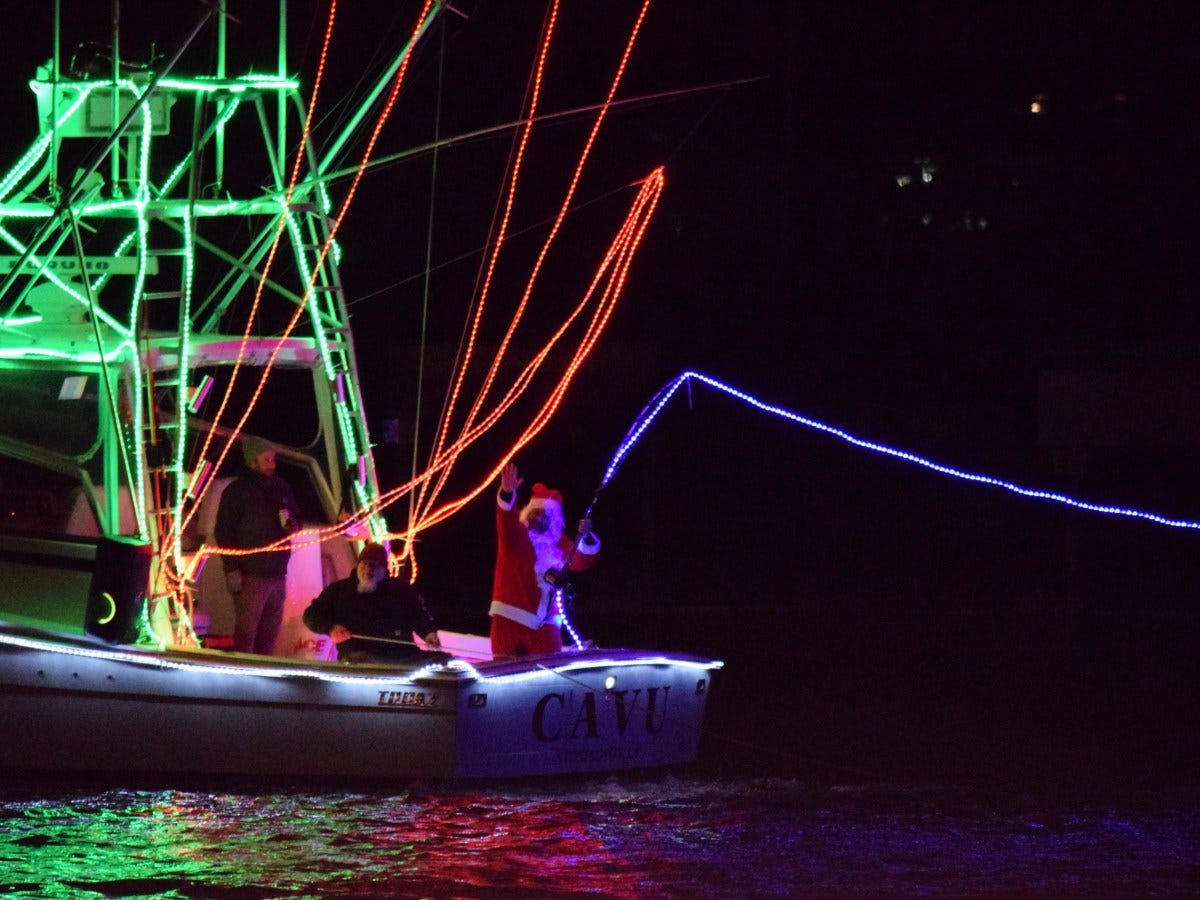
560,716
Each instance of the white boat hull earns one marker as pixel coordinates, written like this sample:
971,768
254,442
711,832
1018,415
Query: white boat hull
76,704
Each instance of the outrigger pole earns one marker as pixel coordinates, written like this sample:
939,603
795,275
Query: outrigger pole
380,86
326,175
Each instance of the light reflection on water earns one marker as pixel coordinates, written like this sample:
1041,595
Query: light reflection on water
616,837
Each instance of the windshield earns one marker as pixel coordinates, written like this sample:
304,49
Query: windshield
53,410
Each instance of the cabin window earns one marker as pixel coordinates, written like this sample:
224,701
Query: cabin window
34,500
55,411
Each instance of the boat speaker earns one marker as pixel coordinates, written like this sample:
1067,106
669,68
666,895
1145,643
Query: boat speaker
118,589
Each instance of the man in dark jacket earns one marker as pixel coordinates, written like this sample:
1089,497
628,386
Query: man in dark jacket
257,508
370,604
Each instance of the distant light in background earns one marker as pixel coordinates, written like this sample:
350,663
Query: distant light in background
1038,106
973,222
923,165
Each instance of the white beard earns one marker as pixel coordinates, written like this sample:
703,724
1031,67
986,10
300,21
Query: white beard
547,554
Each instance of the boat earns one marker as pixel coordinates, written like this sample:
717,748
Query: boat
155,309
80,704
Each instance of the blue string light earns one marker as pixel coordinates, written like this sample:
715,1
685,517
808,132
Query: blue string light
660,400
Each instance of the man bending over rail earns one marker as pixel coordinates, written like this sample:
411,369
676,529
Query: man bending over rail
371,616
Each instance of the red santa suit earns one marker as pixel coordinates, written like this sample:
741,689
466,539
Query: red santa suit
525,618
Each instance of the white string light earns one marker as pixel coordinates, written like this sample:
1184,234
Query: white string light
154,659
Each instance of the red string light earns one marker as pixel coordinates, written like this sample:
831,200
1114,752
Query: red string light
443,458
612,273
301,306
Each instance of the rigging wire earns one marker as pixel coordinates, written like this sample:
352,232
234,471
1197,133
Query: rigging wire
342,108
493,225
696,125
614,271
559,219
321,534
623,248
433,181
549,120
487,270
535,226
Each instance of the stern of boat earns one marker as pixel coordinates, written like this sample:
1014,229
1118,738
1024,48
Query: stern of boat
582,712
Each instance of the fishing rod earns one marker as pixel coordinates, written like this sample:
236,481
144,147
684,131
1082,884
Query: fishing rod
640,424
560,580
399,642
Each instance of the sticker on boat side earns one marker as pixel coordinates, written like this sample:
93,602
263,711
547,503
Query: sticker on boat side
409,699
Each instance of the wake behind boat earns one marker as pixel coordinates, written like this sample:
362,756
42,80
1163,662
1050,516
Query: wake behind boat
149,324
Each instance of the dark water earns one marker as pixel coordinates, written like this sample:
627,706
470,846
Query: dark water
615,837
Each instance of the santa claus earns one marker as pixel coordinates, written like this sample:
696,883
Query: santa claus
532,550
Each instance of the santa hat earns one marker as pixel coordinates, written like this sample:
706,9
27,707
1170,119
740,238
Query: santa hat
542,494
545,498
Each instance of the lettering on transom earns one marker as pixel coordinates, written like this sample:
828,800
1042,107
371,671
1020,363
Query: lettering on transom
574,715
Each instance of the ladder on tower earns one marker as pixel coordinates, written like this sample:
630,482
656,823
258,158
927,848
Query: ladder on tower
331,320
168,392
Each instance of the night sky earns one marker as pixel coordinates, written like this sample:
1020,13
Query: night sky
869,224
